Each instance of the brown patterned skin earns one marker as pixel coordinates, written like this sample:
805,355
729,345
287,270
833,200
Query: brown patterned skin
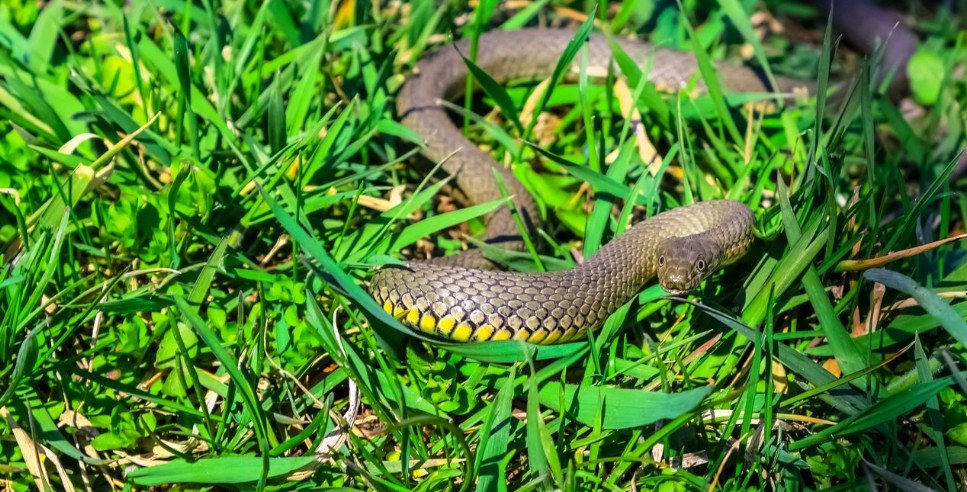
459,297
682,246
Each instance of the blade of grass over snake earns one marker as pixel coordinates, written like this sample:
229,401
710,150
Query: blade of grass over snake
519,261
479,19
741,20
492,129
649,100
345,283
428,226
518,221
601,182
496,91
562,66
600,216
370,233
598,220
710,76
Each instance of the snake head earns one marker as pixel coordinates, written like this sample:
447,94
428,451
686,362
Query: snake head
684,262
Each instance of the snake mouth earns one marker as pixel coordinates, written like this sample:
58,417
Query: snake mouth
675,292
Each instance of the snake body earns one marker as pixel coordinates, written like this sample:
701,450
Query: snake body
527,54
460,297
681,246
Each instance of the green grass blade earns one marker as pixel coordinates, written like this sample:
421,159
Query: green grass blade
885,411
953,322
258,417
709,74
424,228
43,36
562,66
847,354
935,417
496,91
496,442
310,246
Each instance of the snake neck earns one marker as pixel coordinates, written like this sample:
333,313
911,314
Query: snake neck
681,246
627,262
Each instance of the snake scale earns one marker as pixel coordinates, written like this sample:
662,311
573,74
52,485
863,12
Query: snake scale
461,297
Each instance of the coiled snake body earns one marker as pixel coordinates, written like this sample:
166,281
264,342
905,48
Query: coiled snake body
461,298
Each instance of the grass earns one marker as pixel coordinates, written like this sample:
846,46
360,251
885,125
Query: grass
192,197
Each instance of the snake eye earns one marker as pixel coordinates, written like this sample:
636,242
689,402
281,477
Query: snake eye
700,265
661,260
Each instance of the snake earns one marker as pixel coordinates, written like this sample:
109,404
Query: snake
462,297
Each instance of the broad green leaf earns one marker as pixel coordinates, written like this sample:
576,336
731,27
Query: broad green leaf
221,470
618,408
926,72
